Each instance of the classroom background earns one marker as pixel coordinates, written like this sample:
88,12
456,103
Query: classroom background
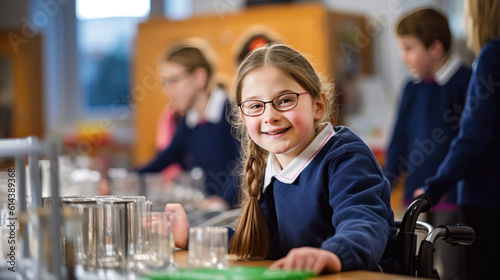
84,72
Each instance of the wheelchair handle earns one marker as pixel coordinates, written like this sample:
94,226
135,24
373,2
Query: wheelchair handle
459,234
421,205
455,235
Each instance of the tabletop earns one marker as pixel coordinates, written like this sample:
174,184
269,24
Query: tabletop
181,258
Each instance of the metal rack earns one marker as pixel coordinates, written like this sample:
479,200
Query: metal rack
19,149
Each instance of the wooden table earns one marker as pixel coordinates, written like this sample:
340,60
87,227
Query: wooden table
181,258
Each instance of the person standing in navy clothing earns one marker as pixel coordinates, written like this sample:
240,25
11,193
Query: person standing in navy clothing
203,136
314,196
431,103
473,160
428,116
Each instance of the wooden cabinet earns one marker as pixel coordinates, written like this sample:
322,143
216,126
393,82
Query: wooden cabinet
327,38
21,98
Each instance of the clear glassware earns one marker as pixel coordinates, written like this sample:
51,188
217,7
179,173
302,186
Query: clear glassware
208,247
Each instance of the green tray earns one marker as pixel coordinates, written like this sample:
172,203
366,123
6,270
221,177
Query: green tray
232,273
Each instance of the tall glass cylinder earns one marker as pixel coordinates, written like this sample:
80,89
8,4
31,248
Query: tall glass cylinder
85,239
161,243
137,235
111,245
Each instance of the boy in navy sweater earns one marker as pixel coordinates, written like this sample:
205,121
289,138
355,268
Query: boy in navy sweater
429,113
431,102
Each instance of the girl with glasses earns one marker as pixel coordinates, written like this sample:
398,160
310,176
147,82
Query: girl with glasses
202,135
313,195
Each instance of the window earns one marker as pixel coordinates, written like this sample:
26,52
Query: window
106,30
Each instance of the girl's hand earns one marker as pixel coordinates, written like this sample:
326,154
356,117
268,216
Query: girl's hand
308,258
213,203
181,225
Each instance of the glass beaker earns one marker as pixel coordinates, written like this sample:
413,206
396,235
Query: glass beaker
161,243
85,241
208,247
111,239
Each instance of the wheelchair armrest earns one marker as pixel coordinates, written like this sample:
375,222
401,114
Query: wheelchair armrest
419,226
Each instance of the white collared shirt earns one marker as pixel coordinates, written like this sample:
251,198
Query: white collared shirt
449,68
446,71
293,170
213,111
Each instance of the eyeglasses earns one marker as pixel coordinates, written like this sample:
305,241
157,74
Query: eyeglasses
282,103
171,81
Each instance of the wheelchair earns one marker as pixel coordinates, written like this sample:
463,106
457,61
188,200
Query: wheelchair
407,261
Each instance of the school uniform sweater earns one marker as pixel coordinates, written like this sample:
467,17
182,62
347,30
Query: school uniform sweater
427,121
205,144
333,196
474,156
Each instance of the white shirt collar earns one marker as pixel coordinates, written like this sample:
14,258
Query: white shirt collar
213,111
446,71
293,170
449,68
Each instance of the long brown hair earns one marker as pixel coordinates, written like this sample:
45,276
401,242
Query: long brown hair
482,22
251,239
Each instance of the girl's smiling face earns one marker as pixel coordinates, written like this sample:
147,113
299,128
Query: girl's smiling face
285,134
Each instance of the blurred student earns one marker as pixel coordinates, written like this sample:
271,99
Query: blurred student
473,160
171,114
315,197
251,43
428,116
431,102
202,137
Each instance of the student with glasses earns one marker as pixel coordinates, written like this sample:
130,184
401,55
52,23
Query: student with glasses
282,103
202,136
314,196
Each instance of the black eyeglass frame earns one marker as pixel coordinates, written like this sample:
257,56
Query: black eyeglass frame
272,102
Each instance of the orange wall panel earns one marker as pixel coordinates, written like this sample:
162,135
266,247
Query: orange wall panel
305,27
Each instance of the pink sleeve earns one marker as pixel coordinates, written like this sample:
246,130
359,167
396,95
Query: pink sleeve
165,131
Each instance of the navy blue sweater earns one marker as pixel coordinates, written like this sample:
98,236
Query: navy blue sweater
209,146
340,202
474,156
427,121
